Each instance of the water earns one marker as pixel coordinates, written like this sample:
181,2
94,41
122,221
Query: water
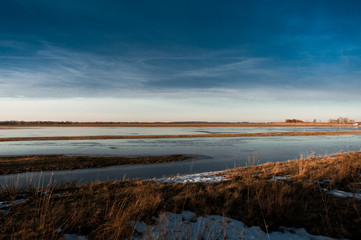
215,154
133,131
217,148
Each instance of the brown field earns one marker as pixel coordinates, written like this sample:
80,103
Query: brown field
178,124
31,163
275,134
103,210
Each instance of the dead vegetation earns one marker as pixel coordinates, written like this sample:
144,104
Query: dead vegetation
341,169
103,210
31,163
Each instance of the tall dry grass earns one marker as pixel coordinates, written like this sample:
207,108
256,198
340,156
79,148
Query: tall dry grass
104,210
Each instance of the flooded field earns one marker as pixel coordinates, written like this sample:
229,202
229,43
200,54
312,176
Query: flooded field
214,153
134,131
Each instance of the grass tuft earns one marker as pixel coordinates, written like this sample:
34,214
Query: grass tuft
253,195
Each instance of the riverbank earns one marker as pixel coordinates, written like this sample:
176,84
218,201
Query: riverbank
221,135
32,163
317,193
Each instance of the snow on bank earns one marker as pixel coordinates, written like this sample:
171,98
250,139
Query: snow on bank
188,226
6,204
279,179
325,181
50,193
205,177
339,193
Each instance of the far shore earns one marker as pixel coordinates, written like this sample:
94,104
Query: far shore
268,134
175,124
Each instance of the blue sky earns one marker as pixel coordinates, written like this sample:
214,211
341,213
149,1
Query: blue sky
179,60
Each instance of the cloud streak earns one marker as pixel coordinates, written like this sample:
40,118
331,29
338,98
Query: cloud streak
58,72
261,52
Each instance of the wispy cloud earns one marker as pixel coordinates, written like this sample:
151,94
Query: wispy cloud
58,72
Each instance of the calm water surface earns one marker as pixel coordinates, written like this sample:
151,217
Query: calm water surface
133,131
215,154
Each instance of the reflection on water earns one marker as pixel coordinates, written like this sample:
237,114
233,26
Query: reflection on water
221,153
133,131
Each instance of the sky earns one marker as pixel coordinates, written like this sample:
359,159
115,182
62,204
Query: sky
114,60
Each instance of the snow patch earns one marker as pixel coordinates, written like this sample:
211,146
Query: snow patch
5,204
325,181
339,193
206,177
50,193
279,179
187,226
282,178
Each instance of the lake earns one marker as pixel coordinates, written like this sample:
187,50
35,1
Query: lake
134,131
214,153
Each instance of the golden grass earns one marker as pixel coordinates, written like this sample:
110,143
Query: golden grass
103,210
341,167
221,135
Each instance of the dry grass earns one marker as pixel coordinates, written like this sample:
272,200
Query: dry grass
342,169
103,210
31,163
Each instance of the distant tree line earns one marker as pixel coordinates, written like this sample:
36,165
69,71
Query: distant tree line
50,122
341,120
25,123
293,121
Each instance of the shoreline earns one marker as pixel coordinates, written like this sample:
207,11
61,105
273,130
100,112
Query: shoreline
178,124
316,193
222,135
